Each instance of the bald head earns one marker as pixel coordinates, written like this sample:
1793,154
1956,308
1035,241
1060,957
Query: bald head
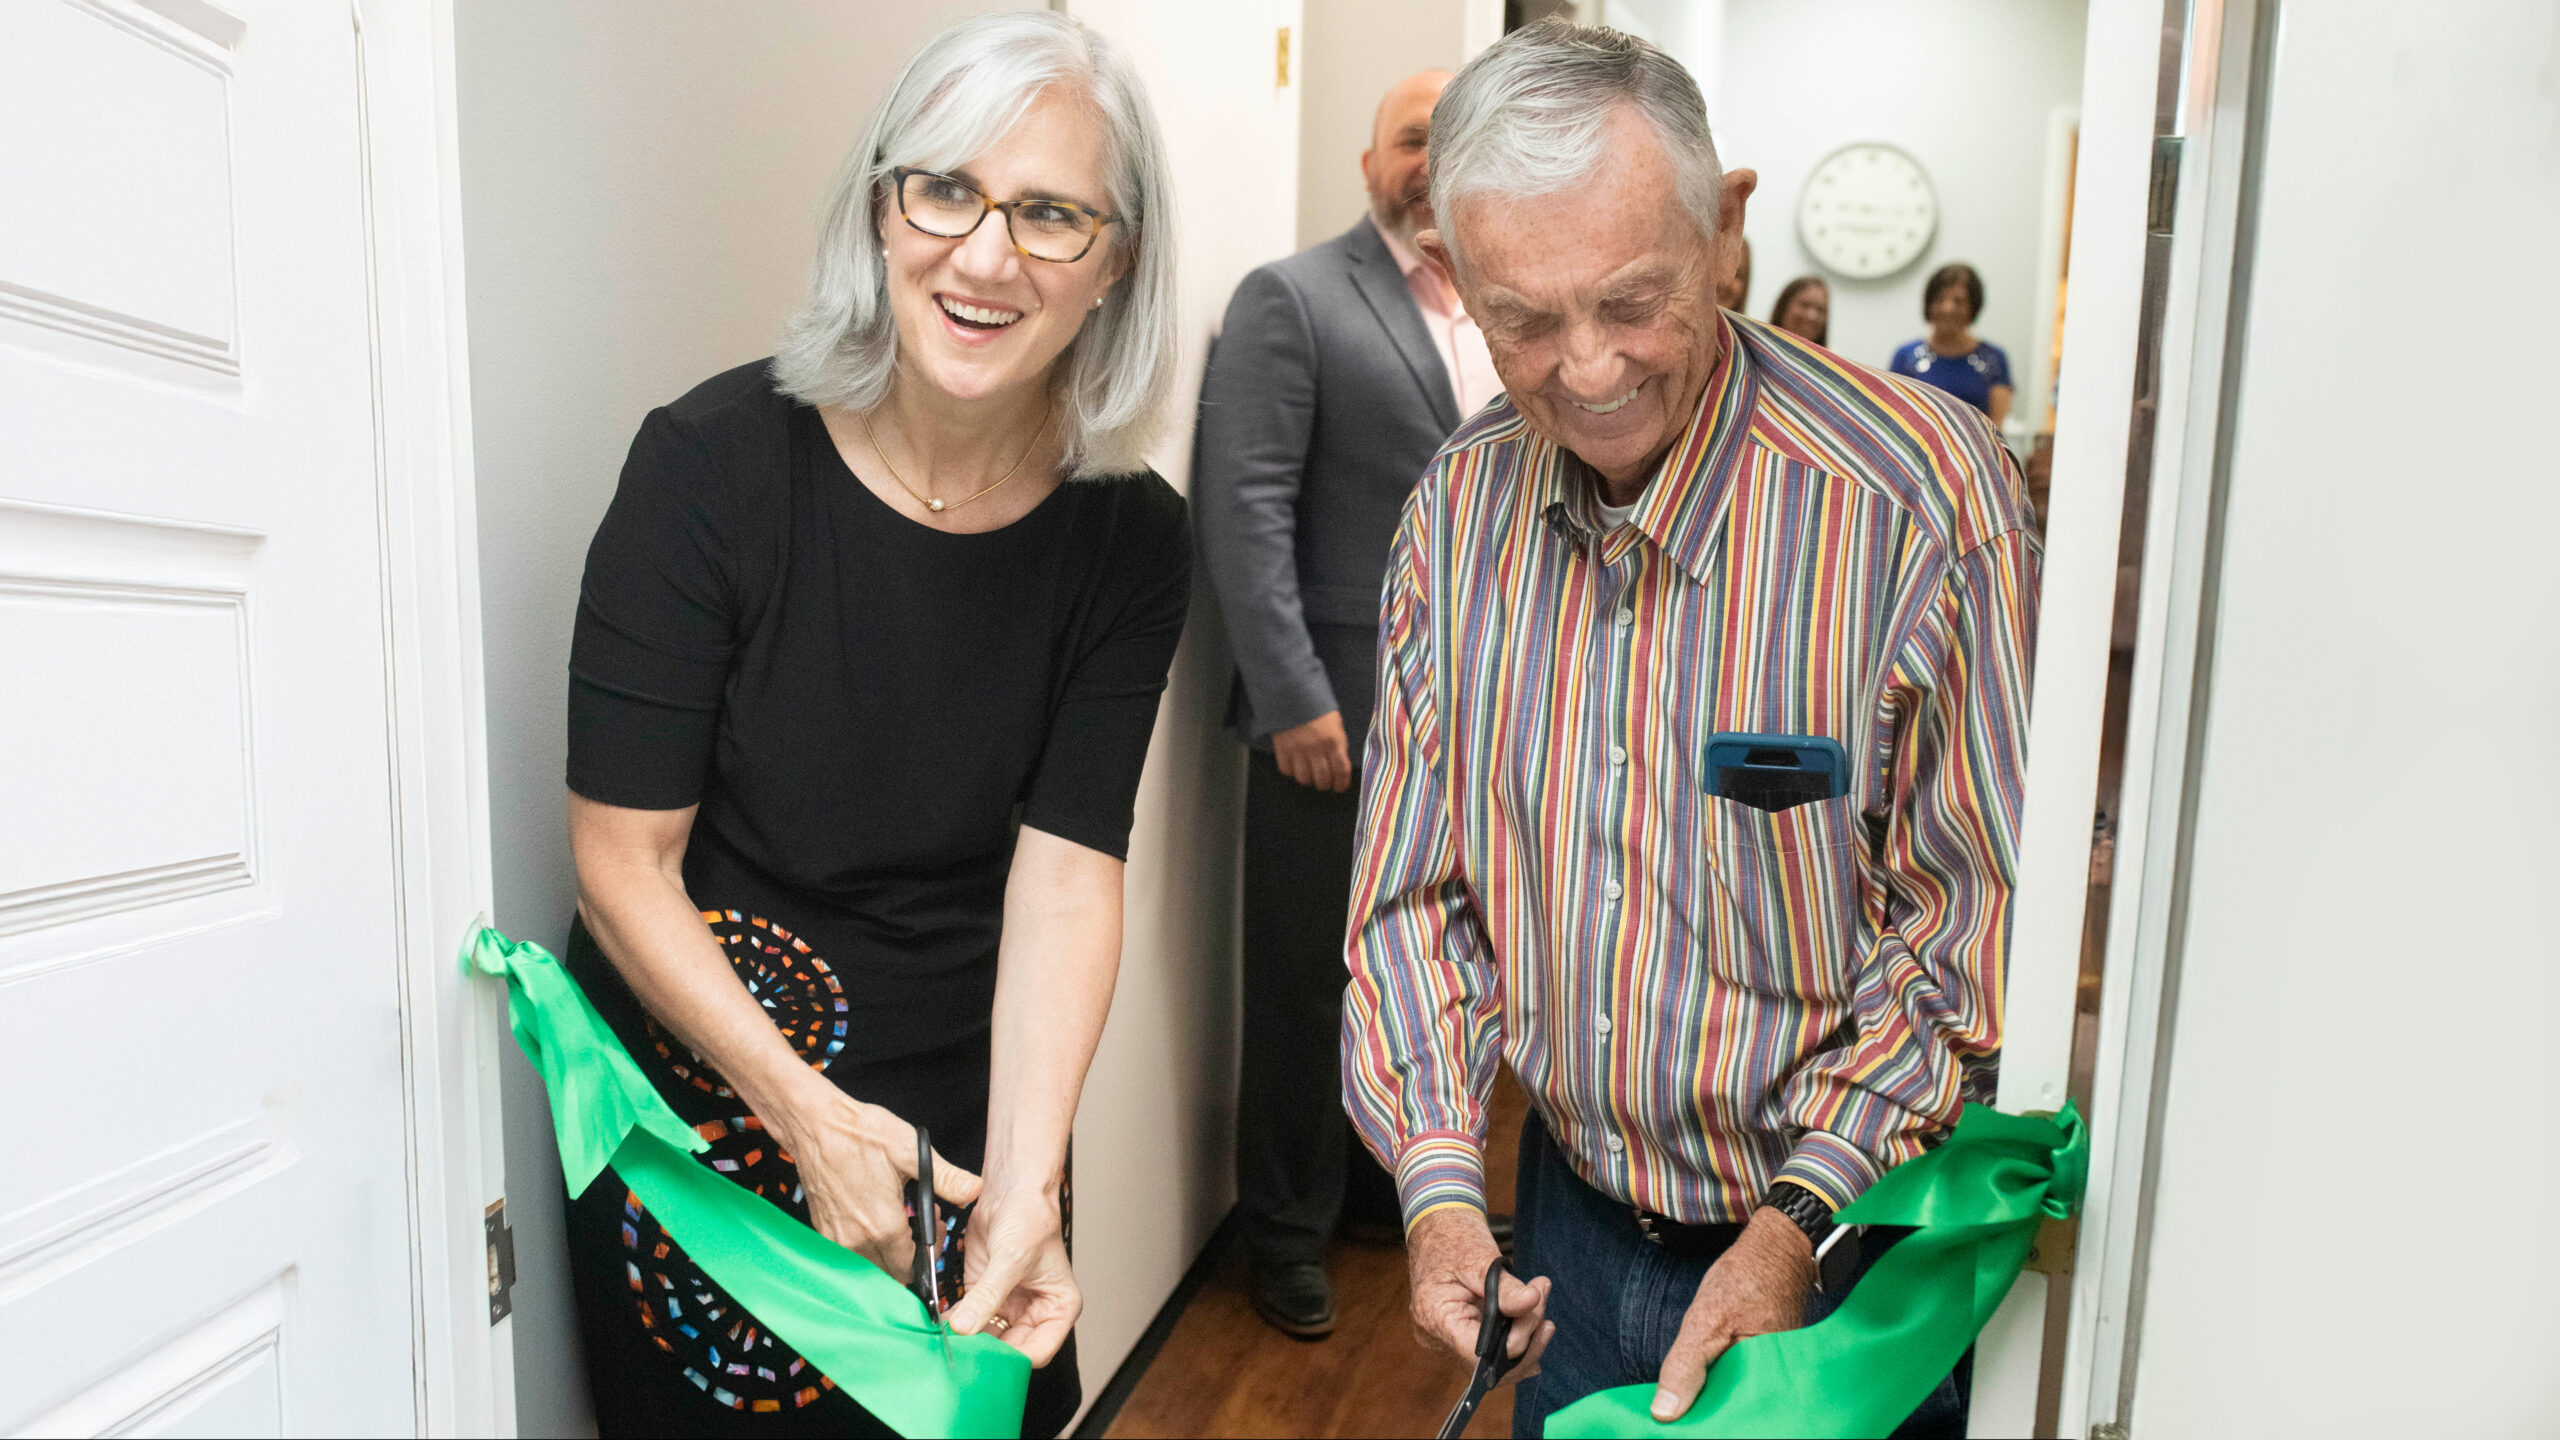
1395,165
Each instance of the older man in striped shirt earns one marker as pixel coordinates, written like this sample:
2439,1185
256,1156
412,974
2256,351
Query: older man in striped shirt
1729,1019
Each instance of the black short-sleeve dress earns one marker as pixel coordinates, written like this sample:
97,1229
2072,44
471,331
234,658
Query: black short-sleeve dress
865,709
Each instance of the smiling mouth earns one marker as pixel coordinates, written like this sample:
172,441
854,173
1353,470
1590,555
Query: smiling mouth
976,317
1611,408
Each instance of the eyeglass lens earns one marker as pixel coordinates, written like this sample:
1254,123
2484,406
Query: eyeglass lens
940,205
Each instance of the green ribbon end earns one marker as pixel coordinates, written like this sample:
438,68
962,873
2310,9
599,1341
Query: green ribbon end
857,1325
1975,1202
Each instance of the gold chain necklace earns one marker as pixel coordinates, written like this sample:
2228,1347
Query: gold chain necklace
938,506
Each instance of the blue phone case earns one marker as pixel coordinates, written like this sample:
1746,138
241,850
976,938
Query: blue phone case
1774,772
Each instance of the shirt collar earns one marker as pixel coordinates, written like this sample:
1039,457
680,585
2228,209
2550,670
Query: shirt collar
1683,506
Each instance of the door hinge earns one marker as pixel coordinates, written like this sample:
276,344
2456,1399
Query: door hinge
502,1260
2166,150
2109,1430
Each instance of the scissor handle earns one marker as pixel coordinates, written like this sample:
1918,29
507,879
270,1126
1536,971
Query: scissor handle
927,1224
1493,1359
1493,1332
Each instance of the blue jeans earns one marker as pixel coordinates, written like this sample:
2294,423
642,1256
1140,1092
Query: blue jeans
1619,1298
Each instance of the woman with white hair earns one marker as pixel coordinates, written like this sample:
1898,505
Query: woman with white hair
868,653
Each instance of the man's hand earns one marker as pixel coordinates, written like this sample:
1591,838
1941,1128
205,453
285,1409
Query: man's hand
1757,1287
1316,754
1448,1254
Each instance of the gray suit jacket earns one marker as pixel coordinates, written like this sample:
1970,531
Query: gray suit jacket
1324,403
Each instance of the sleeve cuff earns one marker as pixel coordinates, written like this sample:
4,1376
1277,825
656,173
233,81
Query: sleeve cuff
1291,703
1830,1167
1439,1170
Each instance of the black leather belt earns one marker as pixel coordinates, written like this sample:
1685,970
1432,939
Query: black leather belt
1682,1238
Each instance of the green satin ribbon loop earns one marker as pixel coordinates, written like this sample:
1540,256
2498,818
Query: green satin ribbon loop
1977,1201
861,1328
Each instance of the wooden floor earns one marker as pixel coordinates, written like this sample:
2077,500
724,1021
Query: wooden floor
1224,1372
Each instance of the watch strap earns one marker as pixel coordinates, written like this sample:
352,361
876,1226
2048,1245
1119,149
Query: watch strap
1810,1212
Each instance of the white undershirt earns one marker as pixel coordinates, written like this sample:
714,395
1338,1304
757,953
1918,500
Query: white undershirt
1613,516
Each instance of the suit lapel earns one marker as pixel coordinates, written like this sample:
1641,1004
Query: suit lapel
1374,275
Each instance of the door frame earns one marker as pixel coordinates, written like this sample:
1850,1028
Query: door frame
2020,1357
437,742
2059,1358
2201,341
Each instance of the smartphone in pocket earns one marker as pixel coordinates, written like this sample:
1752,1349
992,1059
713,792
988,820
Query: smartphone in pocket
1776,772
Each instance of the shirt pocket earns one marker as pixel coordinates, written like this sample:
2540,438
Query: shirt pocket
1791,885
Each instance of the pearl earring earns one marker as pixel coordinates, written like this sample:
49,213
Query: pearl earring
1097,302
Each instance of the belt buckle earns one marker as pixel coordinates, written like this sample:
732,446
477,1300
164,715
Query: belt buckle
1644,1223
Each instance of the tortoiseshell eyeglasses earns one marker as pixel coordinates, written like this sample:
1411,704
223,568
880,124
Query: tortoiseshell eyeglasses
1059,231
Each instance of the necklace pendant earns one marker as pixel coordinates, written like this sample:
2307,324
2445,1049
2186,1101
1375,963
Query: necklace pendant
934,505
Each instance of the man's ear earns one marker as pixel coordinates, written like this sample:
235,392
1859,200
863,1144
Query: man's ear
1436,255
1368,163
1738,185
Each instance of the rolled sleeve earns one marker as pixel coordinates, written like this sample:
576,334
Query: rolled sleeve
1830,1167
1440,1171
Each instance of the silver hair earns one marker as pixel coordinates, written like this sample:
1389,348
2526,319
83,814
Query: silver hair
964,91
1527,117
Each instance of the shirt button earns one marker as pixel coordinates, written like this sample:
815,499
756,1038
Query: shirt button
1604,1024
1616,1144
1617,754
1626,617
1613,890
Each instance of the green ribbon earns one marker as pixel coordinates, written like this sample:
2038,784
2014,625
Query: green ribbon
861,1328
1977,1200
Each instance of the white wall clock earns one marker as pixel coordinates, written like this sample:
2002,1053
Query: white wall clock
1867,210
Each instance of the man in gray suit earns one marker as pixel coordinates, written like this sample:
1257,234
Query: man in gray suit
1336,376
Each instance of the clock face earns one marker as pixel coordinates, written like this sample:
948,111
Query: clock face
1867,211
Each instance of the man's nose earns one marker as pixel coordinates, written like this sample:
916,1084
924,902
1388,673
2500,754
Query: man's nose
1588,365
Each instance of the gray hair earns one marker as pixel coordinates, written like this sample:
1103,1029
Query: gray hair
1526,117
965,90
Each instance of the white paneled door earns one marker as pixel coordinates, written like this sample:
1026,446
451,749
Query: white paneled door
204,1205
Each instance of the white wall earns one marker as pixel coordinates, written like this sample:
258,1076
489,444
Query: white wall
640,181
2352,1234
1692,30
1351,52
1155,1138
1968,87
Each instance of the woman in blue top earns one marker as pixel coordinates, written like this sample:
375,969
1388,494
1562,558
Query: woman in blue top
1974,371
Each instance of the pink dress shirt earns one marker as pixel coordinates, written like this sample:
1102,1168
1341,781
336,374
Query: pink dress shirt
1461,344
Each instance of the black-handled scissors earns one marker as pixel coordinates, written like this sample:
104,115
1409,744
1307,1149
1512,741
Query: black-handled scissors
926,1275
1493,1355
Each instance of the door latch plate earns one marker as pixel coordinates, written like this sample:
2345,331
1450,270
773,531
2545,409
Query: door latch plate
502,1260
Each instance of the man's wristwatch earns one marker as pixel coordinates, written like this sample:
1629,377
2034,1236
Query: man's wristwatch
1835,1250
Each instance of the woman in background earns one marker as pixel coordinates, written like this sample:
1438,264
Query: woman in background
1949,358
1804,309
867,658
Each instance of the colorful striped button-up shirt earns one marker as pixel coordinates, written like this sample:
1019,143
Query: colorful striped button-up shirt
1700,997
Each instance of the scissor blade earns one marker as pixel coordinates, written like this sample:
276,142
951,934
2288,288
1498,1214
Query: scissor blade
933,1301
1478,1387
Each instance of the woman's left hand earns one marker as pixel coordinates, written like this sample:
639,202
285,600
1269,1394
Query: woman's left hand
1020,1285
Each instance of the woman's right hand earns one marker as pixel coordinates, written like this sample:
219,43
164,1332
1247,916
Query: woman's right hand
855,1160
